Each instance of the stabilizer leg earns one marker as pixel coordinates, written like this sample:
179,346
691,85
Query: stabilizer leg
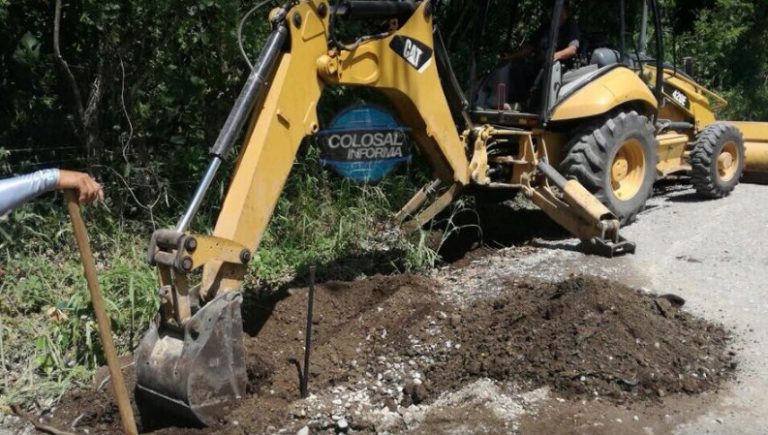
429,213
418,200
579,212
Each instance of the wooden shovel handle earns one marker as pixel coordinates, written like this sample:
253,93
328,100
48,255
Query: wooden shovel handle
105,330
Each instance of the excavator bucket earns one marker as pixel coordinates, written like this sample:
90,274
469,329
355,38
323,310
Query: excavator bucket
198,372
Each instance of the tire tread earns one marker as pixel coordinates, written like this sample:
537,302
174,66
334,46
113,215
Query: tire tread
588,154
703,157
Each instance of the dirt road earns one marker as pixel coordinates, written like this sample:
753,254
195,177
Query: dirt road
712,253
715,255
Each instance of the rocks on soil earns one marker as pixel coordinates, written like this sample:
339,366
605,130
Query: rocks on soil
392,354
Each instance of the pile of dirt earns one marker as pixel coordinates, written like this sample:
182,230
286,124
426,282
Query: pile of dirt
588,337
387,344
355,325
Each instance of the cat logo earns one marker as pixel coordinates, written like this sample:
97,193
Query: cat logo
412,53
417,54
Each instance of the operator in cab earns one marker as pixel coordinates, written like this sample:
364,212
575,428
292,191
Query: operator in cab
527,62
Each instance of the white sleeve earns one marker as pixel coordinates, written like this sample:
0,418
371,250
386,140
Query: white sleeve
16,191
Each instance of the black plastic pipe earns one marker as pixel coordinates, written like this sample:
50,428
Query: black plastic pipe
361,10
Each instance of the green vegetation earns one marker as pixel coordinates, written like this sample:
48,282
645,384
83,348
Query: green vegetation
48,328
143,93
340,227
49,340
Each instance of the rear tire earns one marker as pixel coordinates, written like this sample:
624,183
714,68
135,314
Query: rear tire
615,159
717,160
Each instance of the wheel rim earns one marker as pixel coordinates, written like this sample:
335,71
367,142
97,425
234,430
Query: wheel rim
628,170
728,162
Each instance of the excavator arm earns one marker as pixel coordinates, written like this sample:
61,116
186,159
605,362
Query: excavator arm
289,114
191,361
200,324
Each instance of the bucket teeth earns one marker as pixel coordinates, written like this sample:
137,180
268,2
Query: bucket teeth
197,373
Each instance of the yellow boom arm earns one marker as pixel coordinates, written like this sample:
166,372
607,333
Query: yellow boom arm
289,113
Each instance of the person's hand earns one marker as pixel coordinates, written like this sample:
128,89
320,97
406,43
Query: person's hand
88,190
566,53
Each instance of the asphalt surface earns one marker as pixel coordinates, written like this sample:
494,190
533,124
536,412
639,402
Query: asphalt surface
715,255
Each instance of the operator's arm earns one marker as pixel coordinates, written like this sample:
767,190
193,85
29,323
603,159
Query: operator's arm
572,35
567,52
16,191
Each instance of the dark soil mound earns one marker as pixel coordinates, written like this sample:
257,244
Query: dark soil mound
592,337
354,323
583,337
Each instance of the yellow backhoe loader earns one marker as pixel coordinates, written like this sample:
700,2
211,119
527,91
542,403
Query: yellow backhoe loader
587,155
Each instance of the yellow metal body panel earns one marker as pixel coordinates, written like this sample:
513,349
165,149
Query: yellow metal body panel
615,88
417,95
555,145
703,103
756,143
672,153
700,107
673,112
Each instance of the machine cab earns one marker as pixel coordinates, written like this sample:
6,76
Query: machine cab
607,70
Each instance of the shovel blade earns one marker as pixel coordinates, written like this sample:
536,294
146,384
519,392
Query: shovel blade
198,374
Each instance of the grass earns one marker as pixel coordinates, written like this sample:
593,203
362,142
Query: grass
49,340
329,222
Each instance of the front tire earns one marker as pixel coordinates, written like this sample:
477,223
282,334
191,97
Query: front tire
615,159
717,160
